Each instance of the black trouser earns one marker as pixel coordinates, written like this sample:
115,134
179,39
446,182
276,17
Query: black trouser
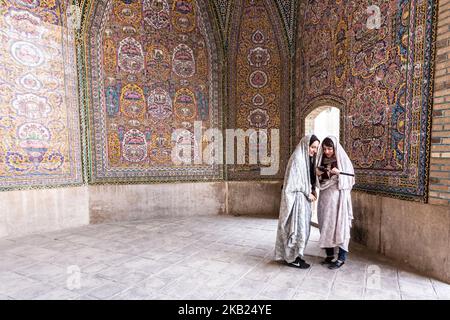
342,255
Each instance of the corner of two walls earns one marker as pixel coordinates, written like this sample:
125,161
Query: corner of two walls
42,210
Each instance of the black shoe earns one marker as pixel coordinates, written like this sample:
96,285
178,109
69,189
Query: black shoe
327,260
336,265
299,263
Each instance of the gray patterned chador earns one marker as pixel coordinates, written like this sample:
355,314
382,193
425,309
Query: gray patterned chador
295,208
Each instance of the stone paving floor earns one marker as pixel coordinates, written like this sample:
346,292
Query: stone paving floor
220,257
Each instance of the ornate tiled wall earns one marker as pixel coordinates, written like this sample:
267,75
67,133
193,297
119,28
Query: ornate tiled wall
258,81
39,114
152,68
374,60
148,67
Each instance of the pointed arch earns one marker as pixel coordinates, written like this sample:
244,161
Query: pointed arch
258,79
159,62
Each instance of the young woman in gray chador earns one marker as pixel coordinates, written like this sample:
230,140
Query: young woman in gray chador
295,208
334,209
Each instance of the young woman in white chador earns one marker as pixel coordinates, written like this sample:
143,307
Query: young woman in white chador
334,209
295,208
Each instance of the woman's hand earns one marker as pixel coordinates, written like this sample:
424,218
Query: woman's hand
312,197
335,171
318,172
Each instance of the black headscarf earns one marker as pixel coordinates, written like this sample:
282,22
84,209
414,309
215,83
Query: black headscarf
312,173
313,139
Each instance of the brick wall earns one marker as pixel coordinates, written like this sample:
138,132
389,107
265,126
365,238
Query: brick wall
439,191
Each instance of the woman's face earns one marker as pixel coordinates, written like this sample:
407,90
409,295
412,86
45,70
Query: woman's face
328,151
313,148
